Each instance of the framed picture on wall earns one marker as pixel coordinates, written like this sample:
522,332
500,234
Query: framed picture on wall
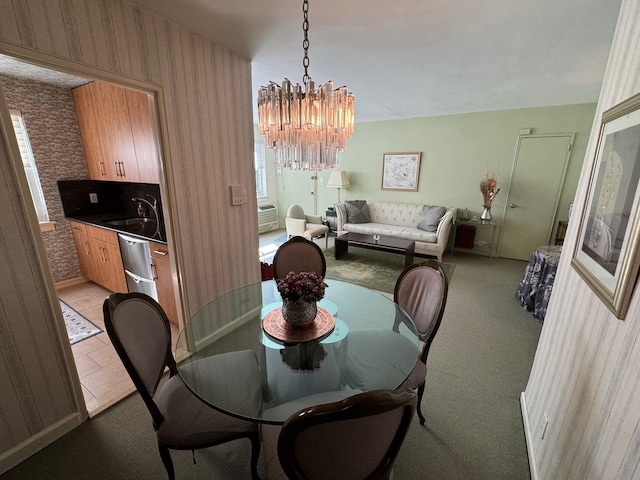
400,171
607,253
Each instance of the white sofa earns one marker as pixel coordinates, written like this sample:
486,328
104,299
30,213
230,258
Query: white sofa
400,220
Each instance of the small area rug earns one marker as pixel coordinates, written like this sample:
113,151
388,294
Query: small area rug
78,327
371,268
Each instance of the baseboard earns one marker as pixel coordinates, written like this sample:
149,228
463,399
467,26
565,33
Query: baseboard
40,440
70,283
528,437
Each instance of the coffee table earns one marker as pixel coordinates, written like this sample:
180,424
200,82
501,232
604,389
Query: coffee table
385,244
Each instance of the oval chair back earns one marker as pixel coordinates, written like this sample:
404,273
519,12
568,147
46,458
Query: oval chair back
356,438
298,255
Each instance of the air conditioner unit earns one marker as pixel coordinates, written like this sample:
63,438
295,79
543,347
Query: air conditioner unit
267,218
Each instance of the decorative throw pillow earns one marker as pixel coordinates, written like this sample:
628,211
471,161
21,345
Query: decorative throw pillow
357,211
430,217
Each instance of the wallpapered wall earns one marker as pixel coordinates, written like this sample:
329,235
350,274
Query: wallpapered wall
51,123
205,114
586,373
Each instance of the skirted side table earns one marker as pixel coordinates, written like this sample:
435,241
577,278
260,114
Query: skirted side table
536,285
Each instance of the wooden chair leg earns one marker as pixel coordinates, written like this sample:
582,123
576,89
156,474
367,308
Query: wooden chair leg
419,410
166,460
255,454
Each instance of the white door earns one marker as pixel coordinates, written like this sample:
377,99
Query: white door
534,191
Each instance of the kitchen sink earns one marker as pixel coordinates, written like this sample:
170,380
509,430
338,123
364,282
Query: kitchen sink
129,221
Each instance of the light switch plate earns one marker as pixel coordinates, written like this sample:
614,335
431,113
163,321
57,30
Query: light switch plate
93,197
238,194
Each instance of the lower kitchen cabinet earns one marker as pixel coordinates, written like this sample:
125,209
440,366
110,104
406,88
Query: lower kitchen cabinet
164,281
99,256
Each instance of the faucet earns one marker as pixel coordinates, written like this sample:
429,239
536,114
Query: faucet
154,208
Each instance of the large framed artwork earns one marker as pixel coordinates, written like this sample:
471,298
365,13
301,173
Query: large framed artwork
606,253
400,171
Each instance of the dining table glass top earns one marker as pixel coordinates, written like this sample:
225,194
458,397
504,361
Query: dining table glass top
227,359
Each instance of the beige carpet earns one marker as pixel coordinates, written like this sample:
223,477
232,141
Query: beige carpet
371,268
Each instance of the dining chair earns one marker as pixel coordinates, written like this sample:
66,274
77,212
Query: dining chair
308,226
298,255
355,438
421,291
140,333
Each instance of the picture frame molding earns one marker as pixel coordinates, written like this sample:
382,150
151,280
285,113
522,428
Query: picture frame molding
390,161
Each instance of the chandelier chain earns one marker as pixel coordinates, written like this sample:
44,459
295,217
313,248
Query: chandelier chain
305,42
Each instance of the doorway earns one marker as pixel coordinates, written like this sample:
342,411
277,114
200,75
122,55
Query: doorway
102,377
537,177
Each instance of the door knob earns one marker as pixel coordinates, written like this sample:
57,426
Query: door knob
512,205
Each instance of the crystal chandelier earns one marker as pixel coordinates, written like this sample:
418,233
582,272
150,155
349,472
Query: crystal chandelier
307,129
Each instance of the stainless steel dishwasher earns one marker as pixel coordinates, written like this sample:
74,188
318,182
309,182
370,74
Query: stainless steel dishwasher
136,258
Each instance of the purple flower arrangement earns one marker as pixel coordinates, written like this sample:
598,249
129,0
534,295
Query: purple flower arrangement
301,287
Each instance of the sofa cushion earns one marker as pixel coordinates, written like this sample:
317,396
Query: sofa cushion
430,217
357,211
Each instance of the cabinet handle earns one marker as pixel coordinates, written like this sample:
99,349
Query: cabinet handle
154,273
115,164
102,170
123,173
86,248
161,252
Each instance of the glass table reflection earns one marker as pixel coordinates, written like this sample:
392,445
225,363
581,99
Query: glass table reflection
226,358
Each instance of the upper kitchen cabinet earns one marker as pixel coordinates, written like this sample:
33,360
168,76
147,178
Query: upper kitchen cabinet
117,133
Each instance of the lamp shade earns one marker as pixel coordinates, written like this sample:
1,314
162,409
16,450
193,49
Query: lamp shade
338,179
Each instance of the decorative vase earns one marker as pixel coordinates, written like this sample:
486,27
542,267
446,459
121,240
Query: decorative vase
299,314
486,215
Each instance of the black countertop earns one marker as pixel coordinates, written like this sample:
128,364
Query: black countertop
140,230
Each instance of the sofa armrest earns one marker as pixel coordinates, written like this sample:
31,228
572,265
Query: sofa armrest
341,216
314,218
296,226
444,228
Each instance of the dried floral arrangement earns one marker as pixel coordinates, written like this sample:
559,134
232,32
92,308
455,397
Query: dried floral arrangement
303,287
489,189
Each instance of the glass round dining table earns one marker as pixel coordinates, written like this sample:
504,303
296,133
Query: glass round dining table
230,362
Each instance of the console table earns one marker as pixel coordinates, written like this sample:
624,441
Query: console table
488,248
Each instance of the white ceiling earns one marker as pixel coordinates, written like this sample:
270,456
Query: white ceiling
410,58
416,58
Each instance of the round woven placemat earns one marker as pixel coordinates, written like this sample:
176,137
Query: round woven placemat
275,326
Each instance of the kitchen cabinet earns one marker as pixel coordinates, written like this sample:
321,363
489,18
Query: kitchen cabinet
99,256
117,133
164,280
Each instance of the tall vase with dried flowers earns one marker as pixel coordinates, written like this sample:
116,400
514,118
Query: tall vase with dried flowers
488,187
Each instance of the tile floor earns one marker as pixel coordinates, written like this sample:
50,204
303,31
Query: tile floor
102,376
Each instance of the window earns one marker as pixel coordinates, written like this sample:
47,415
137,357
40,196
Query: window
261,170
29,166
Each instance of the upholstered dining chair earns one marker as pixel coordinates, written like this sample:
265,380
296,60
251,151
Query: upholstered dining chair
298,255
307,226
355,438
140,332
421,290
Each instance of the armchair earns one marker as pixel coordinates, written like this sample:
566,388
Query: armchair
307,226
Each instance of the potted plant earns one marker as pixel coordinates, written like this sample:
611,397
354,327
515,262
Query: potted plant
300,293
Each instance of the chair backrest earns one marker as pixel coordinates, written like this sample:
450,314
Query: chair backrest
299,255
139,330
356,438
296,211
421,290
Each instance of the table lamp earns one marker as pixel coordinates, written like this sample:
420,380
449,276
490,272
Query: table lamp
338,179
